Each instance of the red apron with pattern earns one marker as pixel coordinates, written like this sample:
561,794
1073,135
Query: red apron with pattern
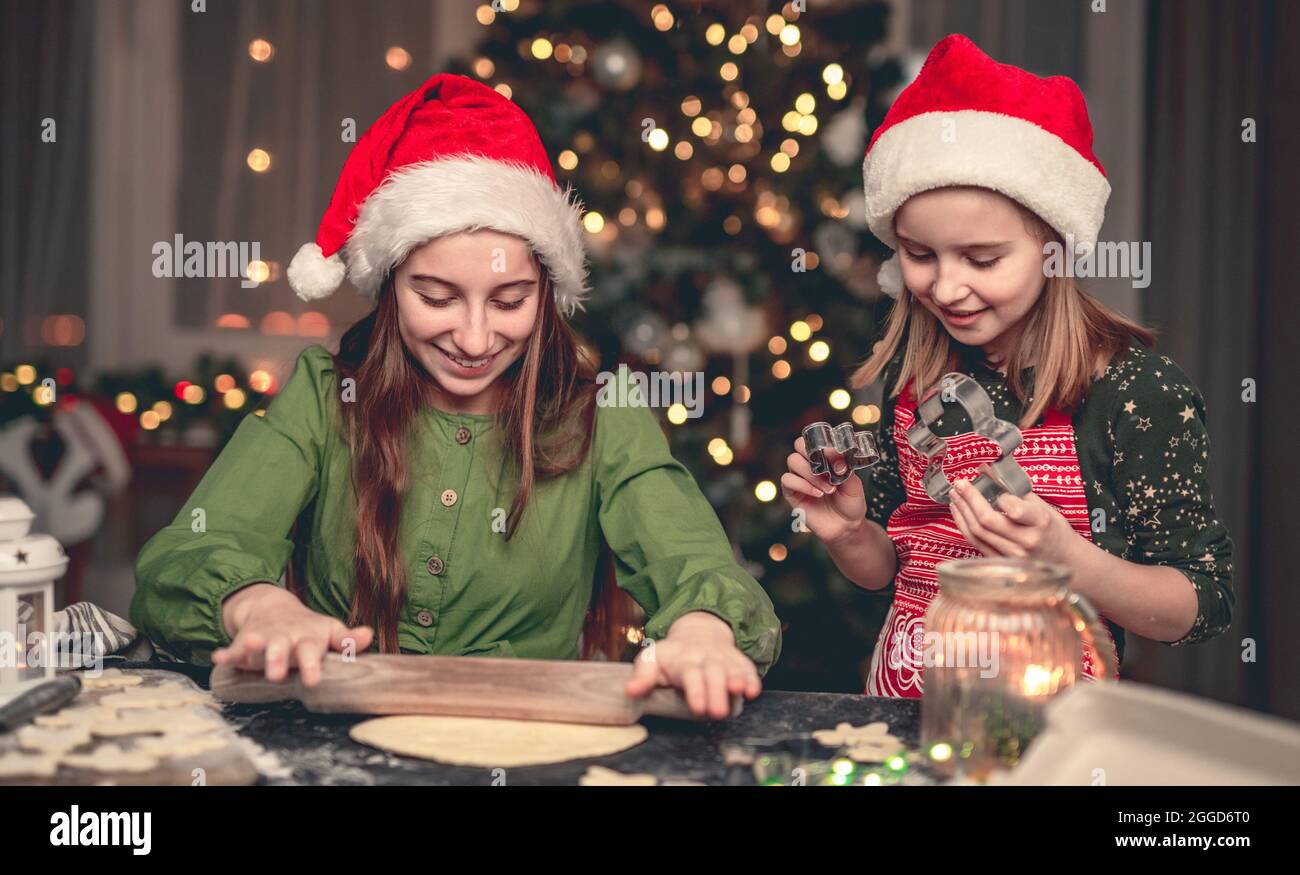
925,534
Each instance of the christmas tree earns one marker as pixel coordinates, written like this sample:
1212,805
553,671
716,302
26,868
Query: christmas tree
717,147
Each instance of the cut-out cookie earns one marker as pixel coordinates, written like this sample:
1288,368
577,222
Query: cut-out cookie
162,696
155,722
22,765
68,717
599,776
111,758
846,734
110,677
168,746
52,740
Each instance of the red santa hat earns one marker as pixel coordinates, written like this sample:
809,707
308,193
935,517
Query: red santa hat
453,155
968,120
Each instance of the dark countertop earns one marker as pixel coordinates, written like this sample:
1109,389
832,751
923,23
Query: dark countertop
317,749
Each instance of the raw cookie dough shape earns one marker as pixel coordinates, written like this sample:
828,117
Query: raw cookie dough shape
110,677
161,696
155,721
52,740
168,746
111,758
492,743
21,765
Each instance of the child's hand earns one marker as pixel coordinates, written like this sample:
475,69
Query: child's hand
1019,527
831,512
273,631
699,656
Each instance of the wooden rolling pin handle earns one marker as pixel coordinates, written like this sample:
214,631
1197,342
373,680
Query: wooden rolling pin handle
670,702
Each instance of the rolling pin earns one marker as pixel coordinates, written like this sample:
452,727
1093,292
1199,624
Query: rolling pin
564,691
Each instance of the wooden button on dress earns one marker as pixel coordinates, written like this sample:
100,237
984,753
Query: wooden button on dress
449,497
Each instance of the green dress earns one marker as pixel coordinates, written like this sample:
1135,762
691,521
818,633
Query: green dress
470,590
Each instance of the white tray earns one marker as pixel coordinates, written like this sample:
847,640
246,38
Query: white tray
1125,733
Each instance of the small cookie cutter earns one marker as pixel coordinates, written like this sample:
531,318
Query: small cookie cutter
1003,476
856,448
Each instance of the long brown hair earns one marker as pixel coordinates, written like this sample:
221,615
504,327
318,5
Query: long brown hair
1070,337
546,417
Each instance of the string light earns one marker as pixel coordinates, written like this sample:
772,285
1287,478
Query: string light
261,381
839,399
765,490
223,383
800,331
777,552
259,160
780,369
149,420
542,48
260,50
234,399
789,34
568,159
721,385
397,57
819,351
594,222
193,394
658,139
485,15
715,34
776,345
676,413
125,402
26,375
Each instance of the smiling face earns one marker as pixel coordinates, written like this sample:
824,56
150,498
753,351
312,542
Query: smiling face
466,306
970,257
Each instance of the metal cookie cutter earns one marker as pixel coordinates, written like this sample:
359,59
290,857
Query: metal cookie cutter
857,449
1003,476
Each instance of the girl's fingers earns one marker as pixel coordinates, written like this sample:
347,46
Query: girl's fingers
987,542
360,636
645,677
1016,509
307,654
802,467
277,658
793,484
691,682
249,646
985,516
715,681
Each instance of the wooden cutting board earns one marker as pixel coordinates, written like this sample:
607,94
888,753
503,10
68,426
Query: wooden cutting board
230,765
565,691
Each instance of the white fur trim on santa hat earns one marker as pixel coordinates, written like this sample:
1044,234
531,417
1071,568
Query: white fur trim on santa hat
423,201
973,147
314,276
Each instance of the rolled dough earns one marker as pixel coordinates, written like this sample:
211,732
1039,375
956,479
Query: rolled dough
17,765
491,743
111,758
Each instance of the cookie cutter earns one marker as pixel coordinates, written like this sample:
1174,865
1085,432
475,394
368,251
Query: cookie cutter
997,478
857,449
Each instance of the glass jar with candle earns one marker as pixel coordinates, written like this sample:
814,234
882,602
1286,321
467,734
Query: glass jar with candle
1002,637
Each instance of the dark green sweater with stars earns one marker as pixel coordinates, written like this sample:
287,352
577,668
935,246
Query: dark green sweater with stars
1144,455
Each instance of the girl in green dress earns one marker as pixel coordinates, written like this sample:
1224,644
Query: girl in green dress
450,472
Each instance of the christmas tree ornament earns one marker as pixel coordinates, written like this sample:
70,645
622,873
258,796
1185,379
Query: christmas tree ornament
968,120
837,451
453,155
1002,476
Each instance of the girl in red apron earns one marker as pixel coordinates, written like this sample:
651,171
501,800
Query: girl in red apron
982,179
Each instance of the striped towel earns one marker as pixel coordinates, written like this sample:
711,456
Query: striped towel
85,633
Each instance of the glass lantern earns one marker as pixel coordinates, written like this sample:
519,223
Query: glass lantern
29,566
1004,637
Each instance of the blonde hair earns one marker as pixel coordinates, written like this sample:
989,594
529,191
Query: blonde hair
1070,338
